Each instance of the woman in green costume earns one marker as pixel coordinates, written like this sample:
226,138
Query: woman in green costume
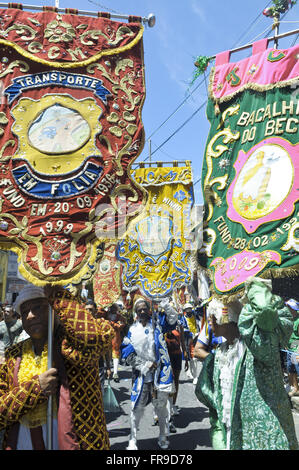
242,383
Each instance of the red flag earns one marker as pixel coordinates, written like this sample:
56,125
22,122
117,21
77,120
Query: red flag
70,124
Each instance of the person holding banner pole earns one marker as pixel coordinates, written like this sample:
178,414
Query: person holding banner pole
72,384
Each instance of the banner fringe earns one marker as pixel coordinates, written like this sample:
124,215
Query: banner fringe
76,279
272,273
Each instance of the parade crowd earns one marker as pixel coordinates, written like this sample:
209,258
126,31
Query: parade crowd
247,350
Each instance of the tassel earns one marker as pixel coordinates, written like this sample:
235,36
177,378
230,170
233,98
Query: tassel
201,63
216,107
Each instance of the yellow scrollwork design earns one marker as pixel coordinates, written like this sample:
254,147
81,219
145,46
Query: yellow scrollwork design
228,112
58,30
228,137
96,33
21,229
74,253
22,29
292,241
122,64
4,122
207,246
105,73
24,67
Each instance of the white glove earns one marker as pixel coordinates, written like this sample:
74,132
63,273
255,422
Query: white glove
171,313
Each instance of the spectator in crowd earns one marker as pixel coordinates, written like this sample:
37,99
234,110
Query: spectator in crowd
191,333
26,383
293,348
10,329
242,383
176,349
118,322
145,350
206,341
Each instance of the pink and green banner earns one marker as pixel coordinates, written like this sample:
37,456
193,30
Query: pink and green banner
250,174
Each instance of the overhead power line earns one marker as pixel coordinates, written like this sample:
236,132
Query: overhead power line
179,128
204,79
196,111
176,109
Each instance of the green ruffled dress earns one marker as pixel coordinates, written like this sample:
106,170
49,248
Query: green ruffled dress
260,413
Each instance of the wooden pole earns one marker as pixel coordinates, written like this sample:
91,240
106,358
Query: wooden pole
4,275
51,397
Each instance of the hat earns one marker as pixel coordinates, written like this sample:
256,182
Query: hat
188,305
29,292
224,313
293,304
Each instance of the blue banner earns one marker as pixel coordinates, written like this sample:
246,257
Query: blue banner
43,79
56,189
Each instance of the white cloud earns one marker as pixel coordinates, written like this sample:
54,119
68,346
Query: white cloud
168,38
198,10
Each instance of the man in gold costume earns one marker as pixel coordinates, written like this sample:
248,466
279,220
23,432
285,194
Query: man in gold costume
26,383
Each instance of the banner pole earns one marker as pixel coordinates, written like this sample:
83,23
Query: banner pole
276,29
272,38
50,400
150,20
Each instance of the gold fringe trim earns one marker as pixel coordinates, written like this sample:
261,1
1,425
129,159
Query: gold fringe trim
247,86
69,65
267,274
29,275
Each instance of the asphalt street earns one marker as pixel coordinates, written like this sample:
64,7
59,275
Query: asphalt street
192,423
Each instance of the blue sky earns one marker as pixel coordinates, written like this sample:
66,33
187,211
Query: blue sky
184,30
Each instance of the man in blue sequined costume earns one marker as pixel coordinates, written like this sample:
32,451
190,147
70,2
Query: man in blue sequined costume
145,349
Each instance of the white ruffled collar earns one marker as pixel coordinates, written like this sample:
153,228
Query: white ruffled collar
228,357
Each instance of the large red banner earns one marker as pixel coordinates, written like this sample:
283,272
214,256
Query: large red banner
70,125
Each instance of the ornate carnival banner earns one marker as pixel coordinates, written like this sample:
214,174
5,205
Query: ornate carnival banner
70,117
106,281
250,172
155,253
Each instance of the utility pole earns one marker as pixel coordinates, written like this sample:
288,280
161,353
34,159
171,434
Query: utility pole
150,150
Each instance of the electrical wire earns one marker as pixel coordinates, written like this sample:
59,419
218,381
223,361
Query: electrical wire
259,17
104,7
197,110
176,109
181,126
295,40
253,41
184,101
